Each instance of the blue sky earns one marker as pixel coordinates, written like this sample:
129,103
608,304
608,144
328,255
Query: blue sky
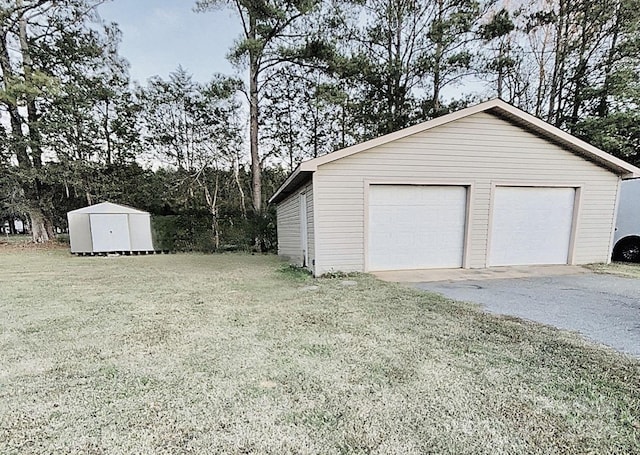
159,35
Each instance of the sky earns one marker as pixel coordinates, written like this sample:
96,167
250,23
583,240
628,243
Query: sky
159,35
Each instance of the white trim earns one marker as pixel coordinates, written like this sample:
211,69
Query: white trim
575,224
365,224
304,227
111,208
314,193
615,221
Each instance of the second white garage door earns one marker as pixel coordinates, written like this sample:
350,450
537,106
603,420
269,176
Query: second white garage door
414,227
531,226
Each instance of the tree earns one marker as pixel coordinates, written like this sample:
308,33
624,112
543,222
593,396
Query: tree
583,68
449,58
193,128
264,23
54,59
394,58
305,115
501,60
380,52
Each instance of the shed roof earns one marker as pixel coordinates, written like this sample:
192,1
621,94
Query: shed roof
109,207
496,107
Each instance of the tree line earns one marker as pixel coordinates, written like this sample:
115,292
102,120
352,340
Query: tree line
321,75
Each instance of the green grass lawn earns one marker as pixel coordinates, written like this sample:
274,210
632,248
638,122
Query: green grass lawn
240,354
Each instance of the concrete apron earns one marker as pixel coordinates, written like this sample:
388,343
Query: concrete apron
520,271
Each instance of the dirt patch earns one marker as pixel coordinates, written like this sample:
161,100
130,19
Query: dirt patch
26,245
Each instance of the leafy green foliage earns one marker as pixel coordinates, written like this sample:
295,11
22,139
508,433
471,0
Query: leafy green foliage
322,76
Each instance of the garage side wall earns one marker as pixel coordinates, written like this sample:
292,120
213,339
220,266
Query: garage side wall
288,212
481,149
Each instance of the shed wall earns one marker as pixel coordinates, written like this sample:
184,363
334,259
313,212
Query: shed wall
483,150
80,233
288,226
140,232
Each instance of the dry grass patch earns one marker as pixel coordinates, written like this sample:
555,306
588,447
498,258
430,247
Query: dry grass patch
626,269
239,354
19,243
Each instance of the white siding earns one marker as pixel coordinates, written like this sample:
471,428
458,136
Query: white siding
482,150
140,232
289,226
80,233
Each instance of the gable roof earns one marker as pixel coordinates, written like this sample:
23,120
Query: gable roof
496,107
108,207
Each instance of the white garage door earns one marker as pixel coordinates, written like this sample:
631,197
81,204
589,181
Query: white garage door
413,227
110,232
531,226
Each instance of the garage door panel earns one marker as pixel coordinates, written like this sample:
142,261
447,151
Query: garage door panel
531,226
413,227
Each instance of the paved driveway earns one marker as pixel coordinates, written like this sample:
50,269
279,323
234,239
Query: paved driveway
603,308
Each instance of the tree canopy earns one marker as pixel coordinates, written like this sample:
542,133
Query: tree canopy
320,76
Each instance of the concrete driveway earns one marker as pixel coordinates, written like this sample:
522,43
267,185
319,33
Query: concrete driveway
603,308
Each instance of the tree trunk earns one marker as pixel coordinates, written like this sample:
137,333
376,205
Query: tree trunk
256,168
236,177
437,62
41,229
19,145
32,111
580,74
107,133
212,203
541,80
603,105
256,165
558,65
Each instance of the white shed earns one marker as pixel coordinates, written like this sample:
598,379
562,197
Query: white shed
486,186
108,227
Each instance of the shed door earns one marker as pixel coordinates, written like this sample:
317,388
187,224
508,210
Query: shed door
414,227
110,232
531,226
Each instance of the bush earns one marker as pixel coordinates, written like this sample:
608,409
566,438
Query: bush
191,231
63,239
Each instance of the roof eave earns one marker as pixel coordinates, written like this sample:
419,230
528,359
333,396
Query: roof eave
295,179
495,106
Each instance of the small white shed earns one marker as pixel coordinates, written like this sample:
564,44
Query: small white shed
108,227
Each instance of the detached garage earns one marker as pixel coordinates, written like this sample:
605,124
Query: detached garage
108,227
486,186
